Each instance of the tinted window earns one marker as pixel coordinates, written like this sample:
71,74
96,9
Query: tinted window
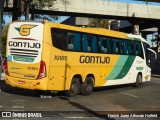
59,38
84,42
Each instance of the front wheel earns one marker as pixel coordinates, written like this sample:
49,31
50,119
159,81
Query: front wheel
74,88
86,88
138,80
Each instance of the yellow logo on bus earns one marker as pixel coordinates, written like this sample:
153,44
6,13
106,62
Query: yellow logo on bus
24,30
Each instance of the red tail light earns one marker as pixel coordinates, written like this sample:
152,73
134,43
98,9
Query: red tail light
5,66
42,70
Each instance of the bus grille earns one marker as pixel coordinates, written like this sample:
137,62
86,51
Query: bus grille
24,52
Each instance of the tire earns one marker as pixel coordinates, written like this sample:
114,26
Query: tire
86,88
138,80
74,88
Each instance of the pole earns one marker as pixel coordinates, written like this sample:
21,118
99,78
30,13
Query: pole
15,10
158,41
1,18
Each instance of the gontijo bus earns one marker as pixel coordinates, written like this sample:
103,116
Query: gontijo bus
56,57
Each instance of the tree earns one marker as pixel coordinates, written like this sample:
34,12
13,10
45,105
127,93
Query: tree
4,38
25,6
1,16
47,4
41,4
100,23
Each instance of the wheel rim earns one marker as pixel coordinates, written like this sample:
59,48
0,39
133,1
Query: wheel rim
89,87
74,89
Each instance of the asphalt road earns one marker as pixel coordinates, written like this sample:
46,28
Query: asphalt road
101,103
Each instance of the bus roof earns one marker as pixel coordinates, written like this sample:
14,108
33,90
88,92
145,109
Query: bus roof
131,36
98,31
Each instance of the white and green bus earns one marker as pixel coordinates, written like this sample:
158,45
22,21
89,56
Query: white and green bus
57,57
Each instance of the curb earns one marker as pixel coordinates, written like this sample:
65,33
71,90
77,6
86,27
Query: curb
155,75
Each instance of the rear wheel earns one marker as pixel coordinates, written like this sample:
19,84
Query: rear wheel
86,88
74,88
138,80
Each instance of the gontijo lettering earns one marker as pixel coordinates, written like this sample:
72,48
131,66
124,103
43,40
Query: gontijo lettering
94,59
24,44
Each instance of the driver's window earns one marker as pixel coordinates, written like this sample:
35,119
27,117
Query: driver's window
147,54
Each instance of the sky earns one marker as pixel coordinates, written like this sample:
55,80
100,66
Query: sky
62,18
136,2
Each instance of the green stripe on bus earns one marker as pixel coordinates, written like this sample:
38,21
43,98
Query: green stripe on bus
118,67
131,38
126,67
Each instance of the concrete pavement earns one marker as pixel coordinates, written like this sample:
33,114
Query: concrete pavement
57,106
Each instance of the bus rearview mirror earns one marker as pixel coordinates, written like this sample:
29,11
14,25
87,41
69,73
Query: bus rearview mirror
152,51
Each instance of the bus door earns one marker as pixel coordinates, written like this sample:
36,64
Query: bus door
58,60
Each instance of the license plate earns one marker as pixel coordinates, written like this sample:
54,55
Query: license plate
21,82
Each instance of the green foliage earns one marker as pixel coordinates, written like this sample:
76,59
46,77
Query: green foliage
45,3
42,4
46,17
100,23
4,40
38,4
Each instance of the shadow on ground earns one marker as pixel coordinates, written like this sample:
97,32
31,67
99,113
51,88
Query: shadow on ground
37,93
24,92
89,112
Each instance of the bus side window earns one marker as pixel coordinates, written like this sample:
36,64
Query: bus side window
99,45
108,45
129,47
137,52
104,45
94,44
139,49
77,40
122,47
114,46
85,43
59,38
89,39
134,48
70,41
119,46
125,47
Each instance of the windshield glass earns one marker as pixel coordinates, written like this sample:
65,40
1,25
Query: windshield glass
147,53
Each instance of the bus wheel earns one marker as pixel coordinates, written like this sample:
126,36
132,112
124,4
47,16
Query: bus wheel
74,88
86,88
138,80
